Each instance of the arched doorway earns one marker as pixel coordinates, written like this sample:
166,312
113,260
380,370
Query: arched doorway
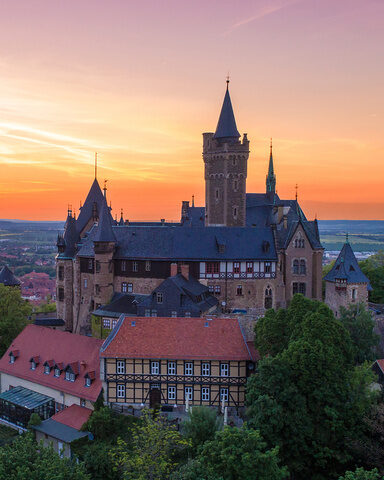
154,397
268,298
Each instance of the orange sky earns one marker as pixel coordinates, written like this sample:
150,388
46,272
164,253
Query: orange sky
140,82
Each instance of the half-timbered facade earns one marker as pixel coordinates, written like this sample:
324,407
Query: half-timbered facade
169,361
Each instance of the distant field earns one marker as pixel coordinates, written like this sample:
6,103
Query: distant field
364,235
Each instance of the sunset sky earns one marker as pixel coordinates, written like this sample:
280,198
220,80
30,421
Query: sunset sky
139,82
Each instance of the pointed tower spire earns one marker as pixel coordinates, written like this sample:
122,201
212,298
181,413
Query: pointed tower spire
226,126
104,231
271,177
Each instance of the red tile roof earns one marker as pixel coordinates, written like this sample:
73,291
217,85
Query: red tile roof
62,347
380,362
73,416
177,338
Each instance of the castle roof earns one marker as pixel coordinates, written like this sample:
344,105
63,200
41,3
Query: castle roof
7,278
94,199
71,237
226,126
104,232
346,268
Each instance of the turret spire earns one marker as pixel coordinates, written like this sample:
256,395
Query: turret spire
271,177
226,126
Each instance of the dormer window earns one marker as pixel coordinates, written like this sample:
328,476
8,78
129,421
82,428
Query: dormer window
69,376
70,371
11,358
33,365
56,372
88,378
159,297
34,362
47,369
88,382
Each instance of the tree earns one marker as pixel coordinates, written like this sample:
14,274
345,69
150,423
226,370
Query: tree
201,425
373,268
106,425
309,398
153,452
361,474
234,454
24,459
14,312
360,324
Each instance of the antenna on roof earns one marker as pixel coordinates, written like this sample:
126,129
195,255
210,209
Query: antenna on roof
95,164
296,188
193,200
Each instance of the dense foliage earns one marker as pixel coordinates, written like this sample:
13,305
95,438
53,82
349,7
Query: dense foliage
373,268
14,312
201,425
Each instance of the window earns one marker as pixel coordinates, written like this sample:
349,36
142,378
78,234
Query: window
267,267
33,365
188,368
61,294
88,382
268,298
171,393
69,376
235,185
171,368
302,288
56,372
120,390
130,287
114,323
120,366
97,289
148,266
249,267
234,160
234,212
224,370
147,312
295,267
299,288
188,391
159,297
155,368
123,266
217,289
299,242
90,264
154,313
210,288
224,394
213,267
188,314
205,369
239,290
47,369
97,266
353,293
11,358
106,323
217,193
295,288
135,266
83,402
236,267
85,282
205,394
173,314
124,287
303,267
61,272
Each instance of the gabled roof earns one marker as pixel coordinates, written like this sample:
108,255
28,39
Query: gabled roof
346,268
95,196
62,347
74,416
104,232
226,126
177,338
59,430
7,278
120,303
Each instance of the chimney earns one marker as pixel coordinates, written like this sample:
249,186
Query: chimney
184,209
185,271
173,269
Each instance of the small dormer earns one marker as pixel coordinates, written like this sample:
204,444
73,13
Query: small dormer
71,371
34,361
57,369
89,377
13,355
265,246
48,365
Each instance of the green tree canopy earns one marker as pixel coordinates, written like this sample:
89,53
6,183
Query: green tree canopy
234,454
14,312
373,268
24,459
361,474
201,425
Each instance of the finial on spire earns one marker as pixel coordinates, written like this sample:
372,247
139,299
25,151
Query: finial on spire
270,147
227,80
121,212
105,188
69,210
296,188
346,238
95,164
193,200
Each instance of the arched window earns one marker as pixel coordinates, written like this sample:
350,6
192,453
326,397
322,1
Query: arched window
268,298
303,267
295,266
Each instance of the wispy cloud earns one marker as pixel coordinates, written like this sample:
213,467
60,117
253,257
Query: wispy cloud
264,11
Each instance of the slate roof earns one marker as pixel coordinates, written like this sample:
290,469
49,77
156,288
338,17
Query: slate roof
7,278
120,303
226,126
74,416
95,196
71,237
187,243
346,268
178,339
59,431
49,322
62,347
104,232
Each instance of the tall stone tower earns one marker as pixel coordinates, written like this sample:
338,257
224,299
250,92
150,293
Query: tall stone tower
225,157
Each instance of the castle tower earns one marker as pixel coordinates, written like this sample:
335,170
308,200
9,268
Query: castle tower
271,177
225,157
345,283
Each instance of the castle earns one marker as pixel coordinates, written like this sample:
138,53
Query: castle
253,250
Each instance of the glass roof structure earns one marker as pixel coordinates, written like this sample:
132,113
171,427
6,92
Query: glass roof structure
25,398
